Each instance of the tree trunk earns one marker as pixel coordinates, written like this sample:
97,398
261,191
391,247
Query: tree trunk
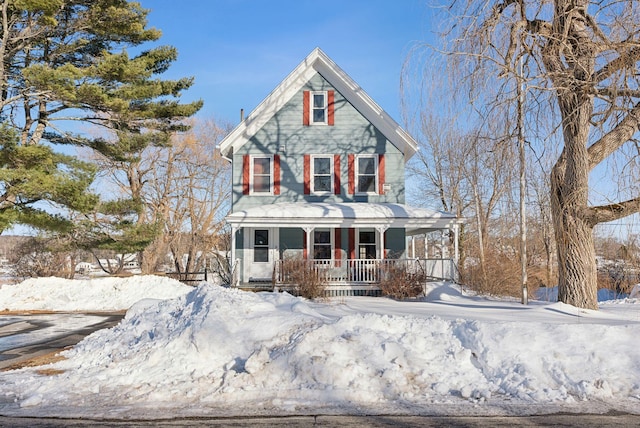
577,276
571,63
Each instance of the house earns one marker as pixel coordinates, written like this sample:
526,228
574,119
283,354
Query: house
318,174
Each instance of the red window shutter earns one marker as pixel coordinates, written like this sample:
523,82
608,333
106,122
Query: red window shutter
245,174
330,107
336,174
381,174
305,108
338,243
276,174
351,159
307,174
352,243
305,252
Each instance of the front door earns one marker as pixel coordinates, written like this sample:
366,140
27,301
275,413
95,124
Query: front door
261,252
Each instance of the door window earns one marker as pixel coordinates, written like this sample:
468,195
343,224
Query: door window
261,246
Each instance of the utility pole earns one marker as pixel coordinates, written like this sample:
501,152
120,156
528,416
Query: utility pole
523,186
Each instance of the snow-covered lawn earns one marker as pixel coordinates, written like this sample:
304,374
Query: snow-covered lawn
216,351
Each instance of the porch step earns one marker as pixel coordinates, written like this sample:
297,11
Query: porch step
342,292
256,286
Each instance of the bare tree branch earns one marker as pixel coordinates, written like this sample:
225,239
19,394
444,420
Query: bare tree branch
616,137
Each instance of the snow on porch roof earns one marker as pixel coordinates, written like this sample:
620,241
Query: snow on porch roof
355,214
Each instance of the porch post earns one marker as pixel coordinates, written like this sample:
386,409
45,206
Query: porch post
426,248
456,236
234,231
381,230
413,246
308,231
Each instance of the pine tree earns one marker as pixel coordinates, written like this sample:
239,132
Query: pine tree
64,62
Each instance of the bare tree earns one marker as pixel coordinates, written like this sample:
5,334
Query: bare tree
189,193
440,129
582,59
184,190
466,163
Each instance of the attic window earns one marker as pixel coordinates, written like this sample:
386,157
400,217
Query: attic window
318,107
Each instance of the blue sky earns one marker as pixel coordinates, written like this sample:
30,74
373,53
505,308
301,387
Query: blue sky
239,50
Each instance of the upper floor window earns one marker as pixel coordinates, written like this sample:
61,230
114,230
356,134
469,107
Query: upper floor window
261,174
366,173
318,107
322,174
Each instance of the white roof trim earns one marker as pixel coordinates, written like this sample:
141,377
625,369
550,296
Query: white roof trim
318,62
354,214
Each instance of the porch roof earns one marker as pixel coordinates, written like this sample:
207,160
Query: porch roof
353,214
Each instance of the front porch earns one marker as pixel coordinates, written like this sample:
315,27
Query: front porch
357,277
352,247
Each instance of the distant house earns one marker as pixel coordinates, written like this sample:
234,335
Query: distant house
319,175
84,268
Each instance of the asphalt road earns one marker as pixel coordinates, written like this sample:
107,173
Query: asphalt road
558,420
23,337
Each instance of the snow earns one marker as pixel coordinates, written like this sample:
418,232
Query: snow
99,294
323,213
215,351
291,210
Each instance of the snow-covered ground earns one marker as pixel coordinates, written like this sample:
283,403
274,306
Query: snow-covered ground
100,294
216,351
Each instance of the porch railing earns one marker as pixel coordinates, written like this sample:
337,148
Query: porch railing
364,271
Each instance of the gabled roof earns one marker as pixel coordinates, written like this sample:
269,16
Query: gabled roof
319,62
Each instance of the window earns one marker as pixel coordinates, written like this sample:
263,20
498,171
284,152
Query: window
261,246
318,107
261,174
367,174
322,174
322,244
367,244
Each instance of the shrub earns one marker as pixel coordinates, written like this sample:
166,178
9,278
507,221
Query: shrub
303,278
398,282
38,257
501,276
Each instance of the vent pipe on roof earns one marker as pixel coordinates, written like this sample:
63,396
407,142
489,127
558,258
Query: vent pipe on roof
241,115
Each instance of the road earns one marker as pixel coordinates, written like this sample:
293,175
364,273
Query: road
558,420
24,337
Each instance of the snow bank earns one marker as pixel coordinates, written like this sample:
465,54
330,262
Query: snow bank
550,294
226,352
100,294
